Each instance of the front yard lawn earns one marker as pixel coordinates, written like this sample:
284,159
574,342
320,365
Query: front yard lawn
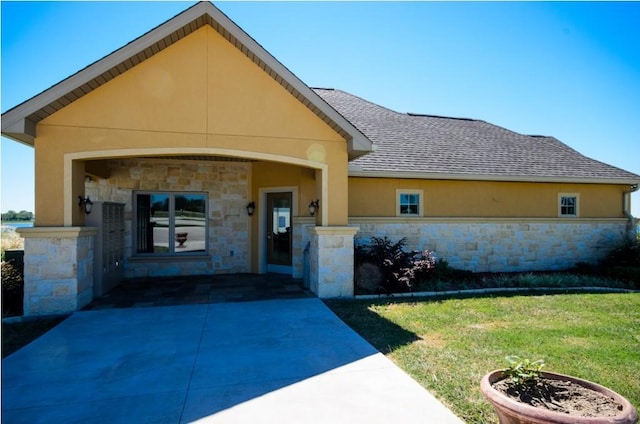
448,345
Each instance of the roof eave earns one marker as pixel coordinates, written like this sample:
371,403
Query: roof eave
21,130
358,143
355,171
17,117
359,146
17,125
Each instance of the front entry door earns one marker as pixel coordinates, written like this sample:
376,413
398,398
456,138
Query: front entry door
279,208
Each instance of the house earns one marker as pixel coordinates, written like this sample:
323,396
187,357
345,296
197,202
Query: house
192,150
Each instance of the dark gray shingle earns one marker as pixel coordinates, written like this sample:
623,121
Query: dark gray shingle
454,146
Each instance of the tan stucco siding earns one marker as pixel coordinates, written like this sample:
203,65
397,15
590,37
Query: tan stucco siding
272,175
444,198
201,85
49,178
199,93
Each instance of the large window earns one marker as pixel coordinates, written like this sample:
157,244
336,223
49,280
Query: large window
170,223
409,202
568,204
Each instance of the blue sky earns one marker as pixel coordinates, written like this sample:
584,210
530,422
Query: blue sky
566,69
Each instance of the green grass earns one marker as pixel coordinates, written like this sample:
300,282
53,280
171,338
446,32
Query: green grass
448,345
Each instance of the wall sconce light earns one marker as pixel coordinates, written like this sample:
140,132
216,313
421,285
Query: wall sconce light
313,206
86,203
251,207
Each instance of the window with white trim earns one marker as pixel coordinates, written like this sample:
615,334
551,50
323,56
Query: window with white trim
409,202
568,204
168,223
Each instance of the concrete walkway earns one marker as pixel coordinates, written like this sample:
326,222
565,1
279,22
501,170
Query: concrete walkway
275,361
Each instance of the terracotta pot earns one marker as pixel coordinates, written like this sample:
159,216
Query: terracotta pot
511,411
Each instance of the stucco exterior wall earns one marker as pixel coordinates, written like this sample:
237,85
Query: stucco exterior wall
376,197
198,95
271,176
503,245
227,188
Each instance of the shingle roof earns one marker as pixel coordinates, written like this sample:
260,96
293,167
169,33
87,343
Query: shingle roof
436,146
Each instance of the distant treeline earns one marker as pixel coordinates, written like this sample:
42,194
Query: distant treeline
17,216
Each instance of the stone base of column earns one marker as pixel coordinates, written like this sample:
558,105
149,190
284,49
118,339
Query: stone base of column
58,269
331,261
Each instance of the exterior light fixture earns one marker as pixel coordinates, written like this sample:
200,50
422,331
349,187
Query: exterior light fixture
85,203
313,207
251,207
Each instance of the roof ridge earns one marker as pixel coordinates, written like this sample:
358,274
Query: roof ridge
552,141
368,101
426,115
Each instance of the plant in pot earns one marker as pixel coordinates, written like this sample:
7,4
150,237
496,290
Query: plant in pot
523,394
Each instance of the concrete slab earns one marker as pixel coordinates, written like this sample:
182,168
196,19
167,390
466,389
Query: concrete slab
290,361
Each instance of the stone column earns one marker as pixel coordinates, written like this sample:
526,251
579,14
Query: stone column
331,261
58,269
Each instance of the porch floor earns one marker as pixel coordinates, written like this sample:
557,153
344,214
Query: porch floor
166,291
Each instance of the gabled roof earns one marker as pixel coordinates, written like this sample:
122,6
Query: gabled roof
428,146
19,123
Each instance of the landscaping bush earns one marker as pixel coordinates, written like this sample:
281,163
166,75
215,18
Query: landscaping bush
626,254
628,274
12,289
10,241
383,266
444,277
622,264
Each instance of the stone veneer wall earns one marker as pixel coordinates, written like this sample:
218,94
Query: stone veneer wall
331,261
227,185
58,269
301,239
503,245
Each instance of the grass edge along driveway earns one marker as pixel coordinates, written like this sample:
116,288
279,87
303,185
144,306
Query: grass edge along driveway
448,345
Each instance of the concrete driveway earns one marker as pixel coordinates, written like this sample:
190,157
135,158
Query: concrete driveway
276,361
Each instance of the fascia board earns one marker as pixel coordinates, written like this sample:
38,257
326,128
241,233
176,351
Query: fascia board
15,117
355,172
23,131
359,142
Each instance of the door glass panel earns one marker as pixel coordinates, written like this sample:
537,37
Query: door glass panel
190,230
279,229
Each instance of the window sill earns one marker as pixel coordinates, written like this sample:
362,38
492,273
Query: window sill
170,258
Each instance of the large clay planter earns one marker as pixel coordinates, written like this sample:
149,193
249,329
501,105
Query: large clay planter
511,411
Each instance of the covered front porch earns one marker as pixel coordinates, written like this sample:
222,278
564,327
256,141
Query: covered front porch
183,129
186,215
